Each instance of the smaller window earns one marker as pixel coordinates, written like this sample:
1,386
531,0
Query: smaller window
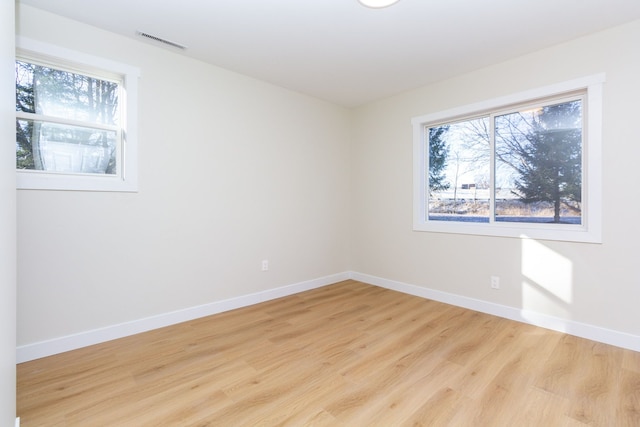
520,166
75,121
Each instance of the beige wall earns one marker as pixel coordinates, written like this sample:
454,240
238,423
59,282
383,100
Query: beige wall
7,218
232,171
594,284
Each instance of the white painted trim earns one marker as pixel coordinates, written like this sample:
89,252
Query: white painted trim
126,180
583,330
590,231
37,350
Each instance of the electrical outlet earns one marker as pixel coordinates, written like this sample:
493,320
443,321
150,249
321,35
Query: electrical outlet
495,282
265,265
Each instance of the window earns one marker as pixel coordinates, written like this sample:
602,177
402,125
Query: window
525,165
75,120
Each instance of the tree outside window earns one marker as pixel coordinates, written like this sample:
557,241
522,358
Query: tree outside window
65,121
523,165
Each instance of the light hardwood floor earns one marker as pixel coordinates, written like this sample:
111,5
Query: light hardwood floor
348,354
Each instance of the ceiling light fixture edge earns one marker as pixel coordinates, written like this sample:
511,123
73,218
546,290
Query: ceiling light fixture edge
377,4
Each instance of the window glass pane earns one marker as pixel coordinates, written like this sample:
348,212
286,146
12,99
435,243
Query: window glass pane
539,164
64,148
67,95
459,171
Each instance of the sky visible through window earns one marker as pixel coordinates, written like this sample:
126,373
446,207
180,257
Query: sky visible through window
66,122
537,153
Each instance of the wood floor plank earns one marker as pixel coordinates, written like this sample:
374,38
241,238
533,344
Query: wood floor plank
348,354
629,397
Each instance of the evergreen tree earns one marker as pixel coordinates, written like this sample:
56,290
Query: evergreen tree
25,101
77,97
551,168
438,152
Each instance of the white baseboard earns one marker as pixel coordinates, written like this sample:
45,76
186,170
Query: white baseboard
41,349
29,352
583,330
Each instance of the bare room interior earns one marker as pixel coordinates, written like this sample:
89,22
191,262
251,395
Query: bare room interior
320,213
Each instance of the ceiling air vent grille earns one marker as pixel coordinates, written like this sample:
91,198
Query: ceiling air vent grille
161,40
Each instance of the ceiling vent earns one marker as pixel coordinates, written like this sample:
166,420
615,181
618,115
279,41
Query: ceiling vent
161,40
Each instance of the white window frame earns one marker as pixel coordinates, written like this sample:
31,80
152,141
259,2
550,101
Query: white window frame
126,178
590,230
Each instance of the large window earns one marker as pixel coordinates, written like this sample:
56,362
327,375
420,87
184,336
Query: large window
527,165
75,121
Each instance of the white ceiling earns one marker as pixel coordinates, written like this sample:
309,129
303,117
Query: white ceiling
343,52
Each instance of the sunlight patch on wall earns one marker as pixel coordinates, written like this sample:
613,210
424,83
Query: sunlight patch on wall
547,285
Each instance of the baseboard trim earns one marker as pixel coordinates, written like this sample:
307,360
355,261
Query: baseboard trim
41,349
583,330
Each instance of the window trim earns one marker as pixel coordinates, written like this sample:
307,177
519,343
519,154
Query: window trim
126,178
591,229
